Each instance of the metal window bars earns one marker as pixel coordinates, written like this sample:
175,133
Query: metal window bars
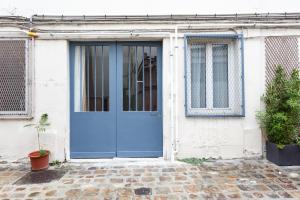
220,90
14,78
139,78
91,79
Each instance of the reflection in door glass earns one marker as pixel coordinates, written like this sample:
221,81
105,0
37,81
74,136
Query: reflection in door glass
147,78
132,77
105,78
125,78
153,78
91,78
139,78
99,78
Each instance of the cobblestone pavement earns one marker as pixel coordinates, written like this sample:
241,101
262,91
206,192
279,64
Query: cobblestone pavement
236,179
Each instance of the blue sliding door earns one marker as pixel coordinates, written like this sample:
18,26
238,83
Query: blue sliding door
115,100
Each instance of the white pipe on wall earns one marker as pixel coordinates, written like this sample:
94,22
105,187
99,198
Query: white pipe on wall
176,88
171,100
88,34
111,35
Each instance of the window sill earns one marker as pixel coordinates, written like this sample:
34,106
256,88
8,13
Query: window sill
16,117
213,116
213,113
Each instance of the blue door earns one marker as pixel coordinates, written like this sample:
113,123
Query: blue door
115,99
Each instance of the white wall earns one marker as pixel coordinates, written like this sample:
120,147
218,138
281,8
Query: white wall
198,137
225,137
50,96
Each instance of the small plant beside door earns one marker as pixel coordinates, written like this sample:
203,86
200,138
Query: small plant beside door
281,119
39,159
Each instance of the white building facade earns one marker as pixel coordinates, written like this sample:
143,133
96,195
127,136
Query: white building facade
206,75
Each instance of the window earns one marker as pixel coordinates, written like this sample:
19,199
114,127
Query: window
91,79
140,78
14,78
214,75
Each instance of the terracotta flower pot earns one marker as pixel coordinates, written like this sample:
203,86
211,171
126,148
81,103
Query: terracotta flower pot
39,162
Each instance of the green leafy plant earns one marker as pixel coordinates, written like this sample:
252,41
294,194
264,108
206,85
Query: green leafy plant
56,163
40,127
193,161
280,120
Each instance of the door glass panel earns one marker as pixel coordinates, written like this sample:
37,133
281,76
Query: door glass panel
153,89
132,77
125,78
147,78
139,78
91,78
105,78
99,78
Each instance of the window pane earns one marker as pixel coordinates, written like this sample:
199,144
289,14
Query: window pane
125,78
132,62
91,78
154,78
147,78
77,78
140,77
220,76
99,63
198,76
105,78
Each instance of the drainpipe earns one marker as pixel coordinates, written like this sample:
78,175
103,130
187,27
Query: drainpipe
174,93
171,98
175,76
32,35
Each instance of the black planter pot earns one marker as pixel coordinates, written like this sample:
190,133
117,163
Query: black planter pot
289,155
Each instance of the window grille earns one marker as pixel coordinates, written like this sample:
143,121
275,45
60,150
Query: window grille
281,51
14,78
214,75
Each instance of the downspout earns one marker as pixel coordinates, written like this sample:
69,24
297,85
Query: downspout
175,76
171,98
32,35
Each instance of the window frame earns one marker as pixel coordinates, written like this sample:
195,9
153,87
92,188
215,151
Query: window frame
215,112
27,113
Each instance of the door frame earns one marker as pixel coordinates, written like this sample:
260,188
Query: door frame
71,44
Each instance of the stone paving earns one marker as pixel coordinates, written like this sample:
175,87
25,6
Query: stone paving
235,179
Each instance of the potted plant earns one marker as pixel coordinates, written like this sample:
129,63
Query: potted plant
280,120
39,159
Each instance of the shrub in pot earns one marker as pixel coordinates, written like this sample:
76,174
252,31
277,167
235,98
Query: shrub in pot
39,159
280,120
